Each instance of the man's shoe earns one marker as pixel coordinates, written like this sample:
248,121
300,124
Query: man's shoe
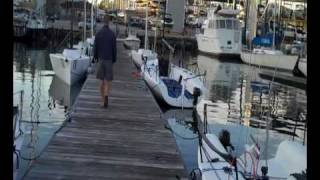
106,101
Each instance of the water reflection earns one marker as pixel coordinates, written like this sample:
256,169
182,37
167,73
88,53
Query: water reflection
181,126
43,111
241,92
62,93
243,103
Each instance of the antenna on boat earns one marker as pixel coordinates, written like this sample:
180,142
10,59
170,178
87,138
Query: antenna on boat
155,31
155,39
274,25
92,18
71,39
146,29
85,22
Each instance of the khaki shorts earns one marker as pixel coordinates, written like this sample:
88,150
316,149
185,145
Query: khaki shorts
105,70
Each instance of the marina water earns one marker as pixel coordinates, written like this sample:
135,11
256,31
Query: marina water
244,100
47,101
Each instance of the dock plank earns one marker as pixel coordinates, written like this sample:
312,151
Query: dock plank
128,140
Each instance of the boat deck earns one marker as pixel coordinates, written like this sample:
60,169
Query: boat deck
128,140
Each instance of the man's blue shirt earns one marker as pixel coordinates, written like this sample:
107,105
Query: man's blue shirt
105,46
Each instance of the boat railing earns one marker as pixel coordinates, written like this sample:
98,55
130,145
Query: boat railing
63,42
17,113
195,70
202,129
246,50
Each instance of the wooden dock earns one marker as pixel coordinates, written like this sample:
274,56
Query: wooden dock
127,140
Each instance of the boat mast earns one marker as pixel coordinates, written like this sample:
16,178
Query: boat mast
71,39
274,25
245,22
146,29
92,18
164,17
155,31
85,22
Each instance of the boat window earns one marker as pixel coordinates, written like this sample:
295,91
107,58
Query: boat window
222,24
211,24
229,24
236,25
217,24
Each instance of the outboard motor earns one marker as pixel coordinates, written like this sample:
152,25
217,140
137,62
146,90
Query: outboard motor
180,79
224,137
163,66
196,174
144,59
196,94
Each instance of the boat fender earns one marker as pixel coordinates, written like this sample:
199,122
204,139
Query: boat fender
224,137
144,59
227,170
196,174
66,60
264,171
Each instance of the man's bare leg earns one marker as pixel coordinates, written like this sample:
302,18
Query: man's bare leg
102,90
107,86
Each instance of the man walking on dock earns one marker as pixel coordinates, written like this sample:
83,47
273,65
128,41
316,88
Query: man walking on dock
105,51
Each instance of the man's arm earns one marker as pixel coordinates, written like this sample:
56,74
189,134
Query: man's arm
95,50
114,53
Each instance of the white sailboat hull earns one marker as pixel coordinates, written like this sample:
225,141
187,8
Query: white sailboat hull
160,88
191,80
288,152
213,171
161,92
136,56
69,70
279,61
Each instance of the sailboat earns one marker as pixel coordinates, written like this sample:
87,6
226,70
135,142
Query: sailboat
215,159
269,57
138,55
177,88
72,64
174,85
88,43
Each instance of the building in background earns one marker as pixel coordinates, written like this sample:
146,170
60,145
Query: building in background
177,10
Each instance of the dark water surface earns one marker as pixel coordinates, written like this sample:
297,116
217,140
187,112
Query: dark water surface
237,87
46,101
244,98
